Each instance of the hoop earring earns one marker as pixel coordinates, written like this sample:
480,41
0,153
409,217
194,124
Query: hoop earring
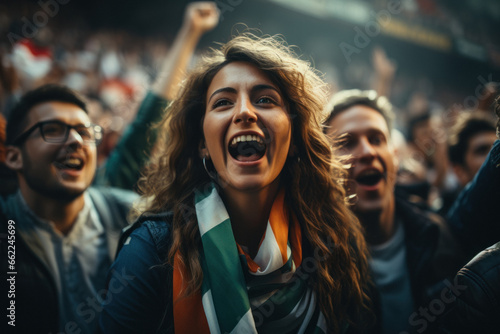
351,193
211,175
352,199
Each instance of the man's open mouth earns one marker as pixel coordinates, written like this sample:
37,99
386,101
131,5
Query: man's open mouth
370,177
247,148
70,163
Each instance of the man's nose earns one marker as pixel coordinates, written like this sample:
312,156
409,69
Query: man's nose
74,138
365,150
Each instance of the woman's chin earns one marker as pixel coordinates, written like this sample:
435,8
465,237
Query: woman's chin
246,183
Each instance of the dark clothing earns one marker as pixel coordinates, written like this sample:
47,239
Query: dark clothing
36,295
8,179
475,297
143,252
432,255
149,293
476,305
474,218
37,309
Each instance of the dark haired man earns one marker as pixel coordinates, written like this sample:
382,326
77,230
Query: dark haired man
65,231
408,247
63,257
474,219
470,141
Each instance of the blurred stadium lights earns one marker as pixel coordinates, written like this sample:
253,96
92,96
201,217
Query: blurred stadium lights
356,12
420,33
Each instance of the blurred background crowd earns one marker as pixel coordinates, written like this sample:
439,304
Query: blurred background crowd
436,61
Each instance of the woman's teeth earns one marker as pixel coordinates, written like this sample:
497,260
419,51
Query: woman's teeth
247,148
246,138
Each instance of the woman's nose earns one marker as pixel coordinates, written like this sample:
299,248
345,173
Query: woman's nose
245,112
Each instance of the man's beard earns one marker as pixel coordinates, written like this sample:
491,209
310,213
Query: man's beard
54,191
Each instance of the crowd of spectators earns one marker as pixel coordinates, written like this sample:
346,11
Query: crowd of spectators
440,141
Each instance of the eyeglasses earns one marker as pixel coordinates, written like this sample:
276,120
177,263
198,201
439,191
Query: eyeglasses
58,132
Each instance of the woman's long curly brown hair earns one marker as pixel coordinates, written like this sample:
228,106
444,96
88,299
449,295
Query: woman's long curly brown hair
312,183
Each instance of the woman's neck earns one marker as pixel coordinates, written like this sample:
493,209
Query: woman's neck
249,213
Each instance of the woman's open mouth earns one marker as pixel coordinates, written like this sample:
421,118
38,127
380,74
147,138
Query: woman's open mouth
247,148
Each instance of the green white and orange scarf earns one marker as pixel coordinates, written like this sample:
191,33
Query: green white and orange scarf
244,295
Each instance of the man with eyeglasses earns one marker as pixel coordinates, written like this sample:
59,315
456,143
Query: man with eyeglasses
66,232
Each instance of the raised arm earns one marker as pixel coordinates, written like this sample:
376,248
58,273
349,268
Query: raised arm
199,18
132,152
385,70
474,217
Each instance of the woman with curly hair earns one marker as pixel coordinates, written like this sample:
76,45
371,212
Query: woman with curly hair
246,228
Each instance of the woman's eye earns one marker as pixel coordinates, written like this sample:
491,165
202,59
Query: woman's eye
221,103
266,100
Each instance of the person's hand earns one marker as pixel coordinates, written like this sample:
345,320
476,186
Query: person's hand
488,96
201,16
382,65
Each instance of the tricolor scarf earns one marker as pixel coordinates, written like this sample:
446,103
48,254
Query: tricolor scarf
244,295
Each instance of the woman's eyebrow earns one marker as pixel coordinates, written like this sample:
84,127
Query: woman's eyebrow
224,89
257,88
254,89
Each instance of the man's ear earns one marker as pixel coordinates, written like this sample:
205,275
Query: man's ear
13,158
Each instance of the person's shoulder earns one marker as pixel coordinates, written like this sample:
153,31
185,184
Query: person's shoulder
3,202
113,205
484,263
424,223
428,233
3,209
420,223
495,153
116,194
475,293
154,229
6,199
10,206
160,231
415,213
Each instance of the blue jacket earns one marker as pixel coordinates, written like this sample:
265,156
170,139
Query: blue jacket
140,280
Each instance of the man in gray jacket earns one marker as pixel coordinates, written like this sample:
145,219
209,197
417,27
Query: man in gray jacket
65,232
